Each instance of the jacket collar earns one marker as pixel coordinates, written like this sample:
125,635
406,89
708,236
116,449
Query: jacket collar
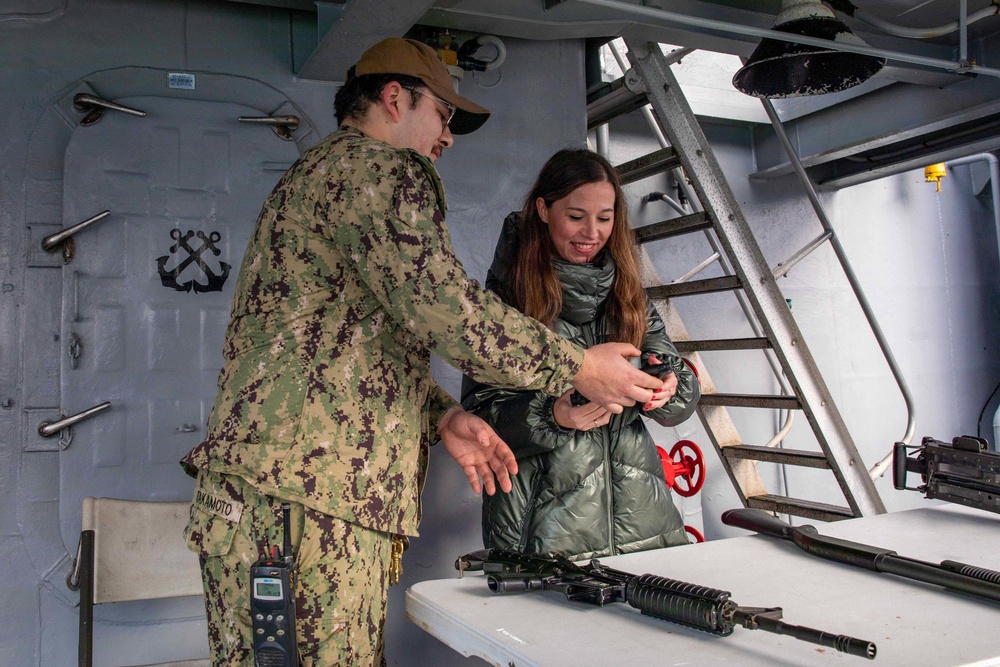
585,286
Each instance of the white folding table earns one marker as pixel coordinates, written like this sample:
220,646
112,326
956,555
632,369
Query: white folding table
911,623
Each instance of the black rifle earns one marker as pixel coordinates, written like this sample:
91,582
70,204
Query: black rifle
963,472
695,606
948,573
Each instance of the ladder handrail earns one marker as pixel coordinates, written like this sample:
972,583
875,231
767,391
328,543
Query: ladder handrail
879,468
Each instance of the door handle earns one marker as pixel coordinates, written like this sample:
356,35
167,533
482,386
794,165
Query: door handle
48,429
283,126
50,242
95,106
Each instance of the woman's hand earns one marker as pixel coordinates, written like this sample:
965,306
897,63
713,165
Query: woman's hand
581,418
668,390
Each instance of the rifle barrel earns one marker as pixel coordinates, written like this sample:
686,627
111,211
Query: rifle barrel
843,643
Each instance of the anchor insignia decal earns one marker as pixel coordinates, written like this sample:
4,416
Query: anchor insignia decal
169,278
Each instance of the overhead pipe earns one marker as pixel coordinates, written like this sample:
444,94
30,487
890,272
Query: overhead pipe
736,28
917,33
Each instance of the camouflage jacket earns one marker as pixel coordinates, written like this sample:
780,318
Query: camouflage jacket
348,285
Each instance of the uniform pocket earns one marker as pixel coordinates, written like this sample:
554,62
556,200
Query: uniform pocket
215,515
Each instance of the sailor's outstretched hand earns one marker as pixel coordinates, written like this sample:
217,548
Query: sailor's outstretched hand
475,446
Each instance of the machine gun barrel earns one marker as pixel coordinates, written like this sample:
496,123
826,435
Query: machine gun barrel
955,576
699,607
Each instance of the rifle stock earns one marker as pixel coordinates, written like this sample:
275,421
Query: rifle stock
949,574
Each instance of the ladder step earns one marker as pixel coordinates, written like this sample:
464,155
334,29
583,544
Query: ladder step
799,507
647,165
694,222
690,287
774,402
794,457
718,344
611,100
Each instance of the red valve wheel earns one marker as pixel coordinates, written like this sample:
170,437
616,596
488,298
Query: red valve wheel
668,466
688,468
683,467
694,533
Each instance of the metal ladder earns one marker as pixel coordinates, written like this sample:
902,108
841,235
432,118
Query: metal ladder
650,81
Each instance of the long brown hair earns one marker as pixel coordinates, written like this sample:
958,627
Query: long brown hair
537,290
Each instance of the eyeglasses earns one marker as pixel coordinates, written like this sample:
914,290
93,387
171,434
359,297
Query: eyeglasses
447,105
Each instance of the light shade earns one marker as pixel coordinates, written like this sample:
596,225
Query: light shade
779,69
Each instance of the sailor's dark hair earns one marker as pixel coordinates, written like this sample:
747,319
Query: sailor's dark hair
359,92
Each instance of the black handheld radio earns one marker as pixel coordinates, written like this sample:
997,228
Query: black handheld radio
272,605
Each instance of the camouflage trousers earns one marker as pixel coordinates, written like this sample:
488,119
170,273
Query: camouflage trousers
341,580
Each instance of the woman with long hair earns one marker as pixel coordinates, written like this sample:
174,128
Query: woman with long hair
590,482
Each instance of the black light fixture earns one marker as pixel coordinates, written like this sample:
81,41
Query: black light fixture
779,69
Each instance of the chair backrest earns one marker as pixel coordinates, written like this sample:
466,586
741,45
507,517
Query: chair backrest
139,550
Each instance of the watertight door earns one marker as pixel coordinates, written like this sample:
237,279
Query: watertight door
147,293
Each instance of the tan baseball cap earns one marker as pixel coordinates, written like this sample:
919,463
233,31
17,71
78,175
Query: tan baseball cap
396,55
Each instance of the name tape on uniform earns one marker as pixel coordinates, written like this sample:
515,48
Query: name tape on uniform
230,510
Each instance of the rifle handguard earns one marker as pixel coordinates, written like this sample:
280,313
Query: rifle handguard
695,606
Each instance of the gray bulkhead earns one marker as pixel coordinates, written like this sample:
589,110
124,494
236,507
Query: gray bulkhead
116,323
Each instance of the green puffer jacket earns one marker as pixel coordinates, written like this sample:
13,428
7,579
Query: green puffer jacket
582,493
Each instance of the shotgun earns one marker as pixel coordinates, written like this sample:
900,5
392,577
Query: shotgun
948,573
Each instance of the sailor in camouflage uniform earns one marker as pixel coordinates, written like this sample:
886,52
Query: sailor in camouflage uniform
326,399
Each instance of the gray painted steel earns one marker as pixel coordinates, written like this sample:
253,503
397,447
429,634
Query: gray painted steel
928,260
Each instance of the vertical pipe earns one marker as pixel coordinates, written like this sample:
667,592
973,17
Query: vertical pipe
994,165
603,140
996,430
963,36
